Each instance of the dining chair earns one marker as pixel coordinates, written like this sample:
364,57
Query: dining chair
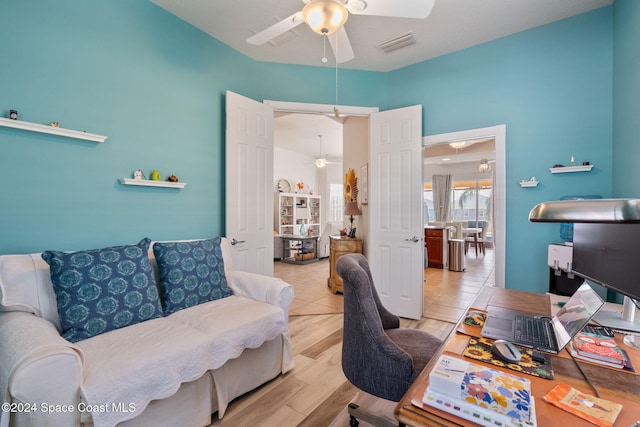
481,239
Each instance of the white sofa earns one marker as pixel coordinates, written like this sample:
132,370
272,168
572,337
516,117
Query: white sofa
173,370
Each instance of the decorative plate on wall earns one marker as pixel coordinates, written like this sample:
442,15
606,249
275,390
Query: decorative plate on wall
284,186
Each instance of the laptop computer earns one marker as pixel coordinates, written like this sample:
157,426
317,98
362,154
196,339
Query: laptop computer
549,334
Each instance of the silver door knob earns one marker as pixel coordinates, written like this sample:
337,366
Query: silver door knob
235,242
414,239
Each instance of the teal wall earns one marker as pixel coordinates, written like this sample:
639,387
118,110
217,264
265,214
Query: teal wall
551,86
626,96
155,86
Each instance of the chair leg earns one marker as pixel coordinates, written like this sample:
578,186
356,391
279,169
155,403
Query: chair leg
356,413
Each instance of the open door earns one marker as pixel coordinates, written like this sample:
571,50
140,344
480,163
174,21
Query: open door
249,183
396,239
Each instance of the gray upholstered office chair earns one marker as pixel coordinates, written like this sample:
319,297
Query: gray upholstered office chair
378,356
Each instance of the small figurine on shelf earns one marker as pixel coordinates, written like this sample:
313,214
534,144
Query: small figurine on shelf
138,175
54,124
155,175
13,114
172,178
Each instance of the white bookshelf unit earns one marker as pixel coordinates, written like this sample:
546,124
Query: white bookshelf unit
292,209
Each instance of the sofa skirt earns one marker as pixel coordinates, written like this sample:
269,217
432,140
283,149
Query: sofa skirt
195,402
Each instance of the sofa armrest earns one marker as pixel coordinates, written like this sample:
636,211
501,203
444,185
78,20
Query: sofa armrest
261,288
39,368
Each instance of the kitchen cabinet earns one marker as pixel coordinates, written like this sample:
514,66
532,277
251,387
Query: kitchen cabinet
436,242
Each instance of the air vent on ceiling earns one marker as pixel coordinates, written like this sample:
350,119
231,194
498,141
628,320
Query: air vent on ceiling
396,43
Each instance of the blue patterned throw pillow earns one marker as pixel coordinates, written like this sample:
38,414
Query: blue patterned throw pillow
190,273
103,289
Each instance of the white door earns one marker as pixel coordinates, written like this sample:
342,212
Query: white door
396,239
249,183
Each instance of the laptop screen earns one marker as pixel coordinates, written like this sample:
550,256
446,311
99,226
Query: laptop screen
575,314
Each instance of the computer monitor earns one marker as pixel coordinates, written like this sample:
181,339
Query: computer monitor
608,255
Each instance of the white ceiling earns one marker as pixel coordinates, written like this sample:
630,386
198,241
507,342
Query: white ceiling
453,25
299,133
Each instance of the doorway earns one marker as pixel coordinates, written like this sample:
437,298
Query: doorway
469,148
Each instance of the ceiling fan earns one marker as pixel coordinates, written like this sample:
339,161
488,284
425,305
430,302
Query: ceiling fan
322,162
327,18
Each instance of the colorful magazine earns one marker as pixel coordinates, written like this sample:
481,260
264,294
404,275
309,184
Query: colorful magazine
600,349
598,411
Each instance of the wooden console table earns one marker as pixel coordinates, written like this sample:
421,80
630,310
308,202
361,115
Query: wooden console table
338,246
612,384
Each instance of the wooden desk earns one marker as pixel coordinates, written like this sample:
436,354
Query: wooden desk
613,385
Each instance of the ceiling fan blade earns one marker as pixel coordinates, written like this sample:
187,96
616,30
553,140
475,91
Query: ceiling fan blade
341,46
276,29
419,9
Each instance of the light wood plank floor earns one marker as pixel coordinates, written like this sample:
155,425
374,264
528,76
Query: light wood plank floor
316,392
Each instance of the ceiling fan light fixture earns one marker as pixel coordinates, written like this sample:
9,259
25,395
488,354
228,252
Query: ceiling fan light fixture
325,17
484,165
457,145
320,163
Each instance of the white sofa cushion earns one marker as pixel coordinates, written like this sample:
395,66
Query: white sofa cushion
144,362
25,285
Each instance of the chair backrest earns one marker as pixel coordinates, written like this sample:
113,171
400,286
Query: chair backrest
324,237
370,359
485,228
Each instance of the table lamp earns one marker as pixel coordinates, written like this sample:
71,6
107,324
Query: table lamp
352,209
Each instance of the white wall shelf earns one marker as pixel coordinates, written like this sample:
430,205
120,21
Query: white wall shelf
565,169
35,127
150,183
527,183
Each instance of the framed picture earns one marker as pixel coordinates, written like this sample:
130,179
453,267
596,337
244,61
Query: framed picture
365,183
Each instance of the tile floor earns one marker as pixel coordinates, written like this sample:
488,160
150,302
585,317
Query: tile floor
446,293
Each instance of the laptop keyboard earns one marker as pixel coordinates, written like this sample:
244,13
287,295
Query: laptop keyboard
533,331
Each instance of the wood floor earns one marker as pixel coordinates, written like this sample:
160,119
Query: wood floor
315,392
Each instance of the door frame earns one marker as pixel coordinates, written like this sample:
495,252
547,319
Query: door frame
326,109
498,133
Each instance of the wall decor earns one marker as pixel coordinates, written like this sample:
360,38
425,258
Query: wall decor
364,176
350,186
